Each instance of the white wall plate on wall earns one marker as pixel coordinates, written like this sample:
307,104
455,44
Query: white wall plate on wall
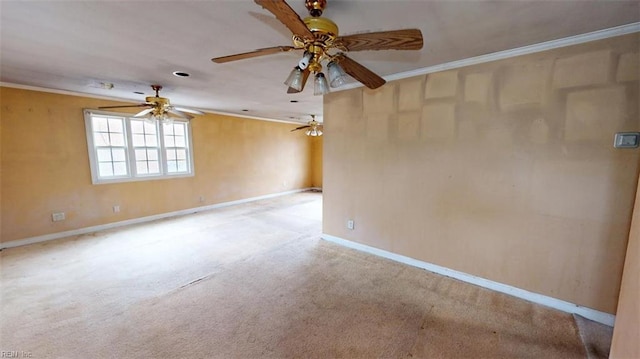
626,140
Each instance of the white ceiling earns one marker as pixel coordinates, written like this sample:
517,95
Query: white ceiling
76,45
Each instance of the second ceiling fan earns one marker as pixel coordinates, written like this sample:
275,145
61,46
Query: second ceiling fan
312,128
159,108
318,37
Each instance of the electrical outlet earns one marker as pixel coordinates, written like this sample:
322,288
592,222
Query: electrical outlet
57,216
116,208
351,224
201,199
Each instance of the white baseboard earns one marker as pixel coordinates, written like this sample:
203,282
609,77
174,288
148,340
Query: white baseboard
595,315
79,231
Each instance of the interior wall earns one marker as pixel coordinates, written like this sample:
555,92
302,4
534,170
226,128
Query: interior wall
45,166
626,332
503,170
316,161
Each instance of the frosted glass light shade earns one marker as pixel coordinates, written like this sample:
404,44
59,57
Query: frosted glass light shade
320,85
337,76
295,79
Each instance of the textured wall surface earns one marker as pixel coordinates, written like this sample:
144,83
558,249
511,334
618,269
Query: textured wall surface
316,162
45,166
504,170
626,332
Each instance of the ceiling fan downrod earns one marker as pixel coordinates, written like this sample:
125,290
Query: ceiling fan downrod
157,89
315,7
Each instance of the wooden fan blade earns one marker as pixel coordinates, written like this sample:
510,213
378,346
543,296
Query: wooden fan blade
287,16
305,76
180,114
256,53
124,106
188,110
410,39
359,72
300,128
143,112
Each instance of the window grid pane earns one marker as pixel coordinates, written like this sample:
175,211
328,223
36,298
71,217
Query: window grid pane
142,167
100,124
111,162
176,160
120,168
147,161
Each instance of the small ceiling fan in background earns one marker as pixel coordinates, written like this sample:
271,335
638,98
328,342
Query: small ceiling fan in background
159,108
318,37
314,128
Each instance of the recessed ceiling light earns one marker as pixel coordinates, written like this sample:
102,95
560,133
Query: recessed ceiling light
138,92
293,101
181,74
245,110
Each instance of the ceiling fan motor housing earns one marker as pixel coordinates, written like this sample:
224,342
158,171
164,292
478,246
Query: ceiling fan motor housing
325,32
321,25
158,101
160,104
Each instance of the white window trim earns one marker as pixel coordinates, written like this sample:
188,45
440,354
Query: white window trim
130,157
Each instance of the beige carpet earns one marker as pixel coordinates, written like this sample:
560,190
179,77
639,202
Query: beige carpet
254,281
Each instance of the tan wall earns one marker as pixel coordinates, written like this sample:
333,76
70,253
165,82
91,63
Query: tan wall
503,170
626,332
316,161
45,166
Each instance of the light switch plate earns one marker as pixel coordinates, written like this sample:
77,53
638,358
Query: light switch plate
58,216
627,140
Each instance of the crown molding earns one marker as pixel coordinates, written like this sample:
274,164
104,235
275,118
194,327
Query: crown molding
108,98
519,51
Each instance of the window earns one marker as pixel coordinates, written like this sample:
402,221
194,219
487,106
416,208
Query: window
123,148
175,141
144,139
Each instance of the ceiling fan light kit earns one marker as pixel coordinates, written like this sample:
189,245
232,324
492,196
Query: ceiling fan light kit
319,38
313,132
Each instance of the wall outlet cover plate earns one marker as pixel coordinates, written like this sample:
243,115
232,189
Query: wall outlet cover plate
627,140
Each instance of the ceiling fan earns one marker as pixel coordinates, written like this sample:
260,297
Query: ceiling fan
159,108
314,128
318,37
